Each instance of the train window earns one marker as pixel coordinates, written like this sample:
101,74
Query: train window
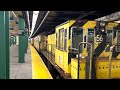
109,36
59,40
90,37
76,37
60,45
65,40
118,41
56,40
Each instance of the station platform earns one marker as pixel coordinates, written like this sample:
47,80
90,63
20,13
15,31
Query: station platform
33,68
20,70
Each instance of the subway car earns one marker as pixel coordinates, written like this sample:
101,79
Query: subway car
83,49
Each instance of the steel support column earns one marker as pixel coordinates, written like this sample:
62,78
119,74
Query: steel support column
10,41
4,44
26,41
21,40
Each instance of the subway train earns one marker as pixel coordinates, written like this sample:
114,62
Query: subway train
83,49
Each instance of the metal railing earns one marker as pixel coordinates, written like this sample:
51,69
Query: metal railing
110,58
90,70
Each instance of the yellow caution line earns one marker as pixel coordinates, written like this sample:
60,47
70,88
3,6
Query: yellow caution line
39,70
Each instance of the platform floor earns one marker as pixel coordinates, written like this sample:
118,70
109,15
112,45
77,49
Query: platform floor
20,70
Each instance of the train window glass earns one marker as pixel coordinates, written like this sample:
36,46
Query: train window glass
59,41
61,32
90,35
109,36
56,40
77,37
62,39
65,40
118,40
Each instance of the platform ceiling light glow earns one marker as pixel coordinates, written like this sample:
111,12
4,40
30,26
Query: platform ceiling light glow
118,21
34,19
28,20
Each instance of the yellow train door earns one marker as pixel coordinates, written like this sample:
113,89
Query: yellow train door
60,55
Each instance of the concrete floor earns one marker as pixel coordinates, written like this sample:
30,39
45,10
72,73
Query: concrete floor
20,70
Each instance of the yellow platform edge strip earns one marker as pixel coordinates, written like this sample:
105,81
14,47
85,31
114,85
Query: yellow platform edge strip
39,69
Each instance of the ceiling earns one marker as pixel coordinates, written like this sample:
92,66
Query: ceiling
55,18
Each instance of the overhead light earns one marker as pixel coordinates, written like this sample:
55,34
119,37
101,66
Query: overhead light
117,21
34,19
41,22
36,12
28,19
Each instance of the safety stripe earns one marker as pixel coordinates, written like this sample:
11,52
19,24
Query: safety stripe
100,47
39,70
110,25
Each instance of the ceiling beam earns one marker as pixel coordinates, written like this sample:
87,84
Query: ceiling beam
111,17
80,17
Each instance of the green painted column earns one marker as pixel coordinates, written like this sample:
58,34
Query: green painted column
7,28
10,41
4,44
26,41
21,40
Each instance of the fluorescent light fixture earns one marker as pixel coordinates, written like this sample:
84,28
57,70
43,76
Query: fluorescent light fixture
34,19
36,12
118,21
28,20
42,22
